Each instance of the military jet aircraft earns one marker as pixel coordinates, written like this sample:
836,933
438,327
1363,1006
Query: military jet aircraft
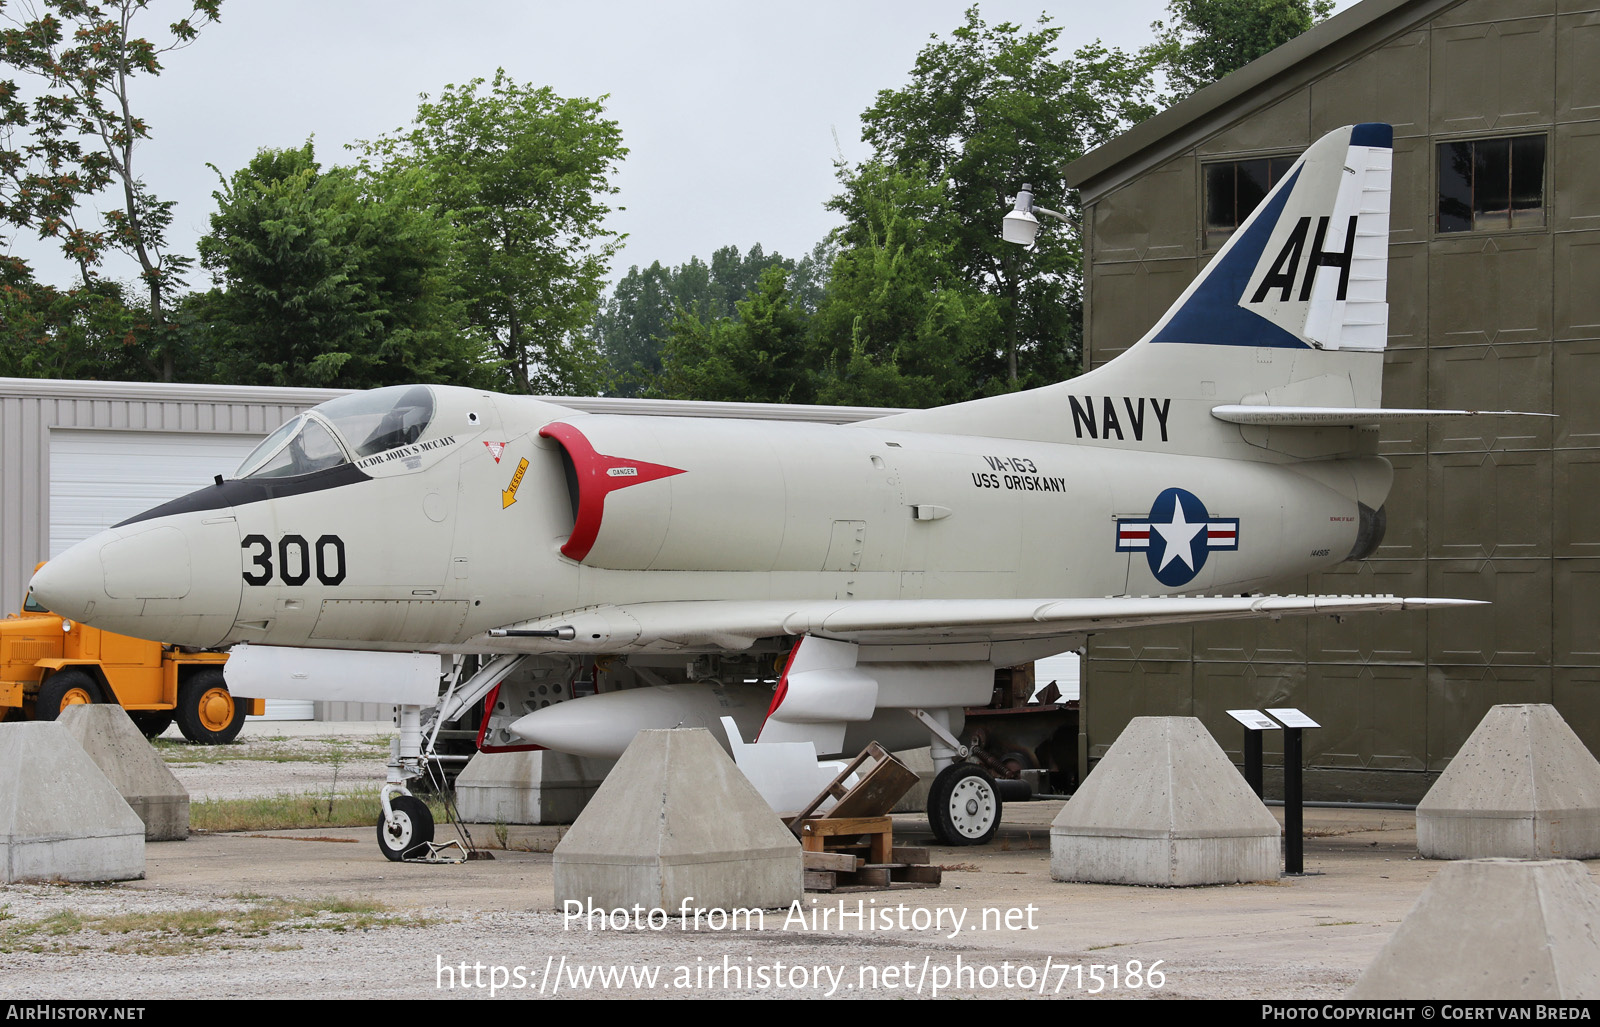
830,584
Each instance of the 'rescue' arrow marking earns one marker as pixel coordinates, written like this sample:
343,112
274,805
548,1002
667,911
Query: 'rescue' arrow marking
508,495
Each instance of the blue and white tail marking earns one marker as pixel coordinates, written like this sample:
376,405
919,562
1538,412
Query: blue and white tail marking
1291,314
1298,274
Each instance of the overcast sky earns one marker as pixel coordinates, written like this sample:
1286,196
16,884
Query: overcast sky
730,111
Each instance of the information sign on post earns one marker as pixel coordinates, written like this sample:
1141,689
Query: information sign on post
1294,722
1254,722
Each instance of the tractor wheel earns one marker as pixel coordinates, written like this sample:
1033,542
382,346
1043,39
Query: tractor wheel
62,689
207,713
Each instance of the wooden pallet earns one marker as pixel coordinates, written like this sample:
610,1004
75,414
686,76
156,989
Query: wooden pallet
851,846
864,876
858,854
874,795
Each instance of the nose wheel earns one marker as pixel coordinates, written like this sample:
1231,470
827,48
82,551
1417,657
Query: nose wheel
410,828
963,806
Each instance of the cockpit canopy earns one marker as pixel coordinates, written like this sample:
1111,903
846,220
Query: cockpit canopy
342,430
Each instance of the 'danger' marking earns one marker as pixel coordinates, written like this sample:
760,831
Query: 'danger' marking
598,475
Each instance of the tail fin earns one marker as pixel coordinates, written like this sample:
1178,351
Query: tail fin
1308,267
1291,311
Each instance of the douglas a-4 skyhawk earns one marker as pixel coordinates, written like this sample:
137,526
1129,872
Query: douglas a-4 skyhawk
830,584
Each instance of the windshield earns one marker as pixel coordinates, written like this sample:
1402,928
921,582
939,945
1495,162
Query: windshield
303,445
384,419
32,605
340,430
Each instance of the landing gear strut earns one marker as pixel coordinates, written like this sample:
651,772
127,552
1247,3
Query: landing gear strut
964,802
405,826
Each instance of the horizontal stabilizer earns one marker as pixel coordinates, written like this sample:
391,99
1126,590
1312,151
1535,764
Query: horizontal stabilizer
1315,417
730,624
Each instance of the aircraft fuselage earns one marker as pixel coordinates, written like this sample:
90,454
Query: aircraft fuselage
509,509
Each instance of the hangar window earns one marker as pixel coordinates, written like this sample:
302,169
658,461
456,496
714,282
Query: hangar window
1490,184
1233,188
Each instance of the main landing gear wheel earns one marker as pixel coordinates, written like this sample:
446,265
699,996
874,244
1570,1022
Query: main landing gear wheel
963,806
207,713
413,827
62,689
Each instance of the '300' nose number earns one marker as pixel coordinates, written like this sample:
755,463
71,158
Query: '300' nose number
295,559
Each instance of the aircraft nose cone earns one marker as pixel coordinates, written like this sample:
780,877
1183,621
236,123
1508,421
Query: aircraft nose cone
73,584
176,582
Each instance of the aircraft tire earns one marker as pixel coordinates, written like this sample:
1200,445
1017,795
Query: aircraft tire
207,713
62,689
414,827
963,806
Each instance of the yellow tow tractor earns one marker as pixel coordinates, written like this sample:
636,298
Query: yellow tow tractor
48,662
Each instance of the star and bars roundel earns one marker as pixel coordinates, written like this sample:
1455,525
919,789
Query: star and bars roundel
1177,536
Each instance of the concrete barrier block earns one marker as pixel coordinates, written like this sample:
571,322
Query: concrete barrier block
1522,786
1495,929
62,819
140,775
1165,807
674,826
541,787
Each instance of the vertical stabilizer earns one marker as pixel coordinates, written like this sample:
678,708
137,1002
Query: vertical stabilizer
1292,311
1309,267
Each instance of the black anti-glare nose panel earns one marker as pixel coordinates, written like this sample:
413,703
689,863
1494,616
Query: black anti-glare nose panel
242,491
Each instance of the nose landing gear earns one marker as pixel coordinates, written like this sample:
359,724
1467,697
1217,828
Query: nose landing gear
409,827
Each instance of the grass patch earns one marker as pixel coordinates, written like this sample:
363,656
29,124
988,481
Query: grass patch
359,808
181,933
335,750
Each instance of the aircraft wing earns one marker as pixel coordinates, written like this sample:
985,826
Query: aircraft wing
731,624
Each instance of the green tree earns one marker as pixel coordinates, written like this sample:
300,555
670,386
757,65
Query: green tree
897,324
90,332
986,110
632,323
1203,40
637,317
758,356
523,174
79,137
327,283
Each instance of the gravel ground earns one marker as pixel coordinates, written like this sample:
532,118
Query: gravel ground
271,761
250,916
